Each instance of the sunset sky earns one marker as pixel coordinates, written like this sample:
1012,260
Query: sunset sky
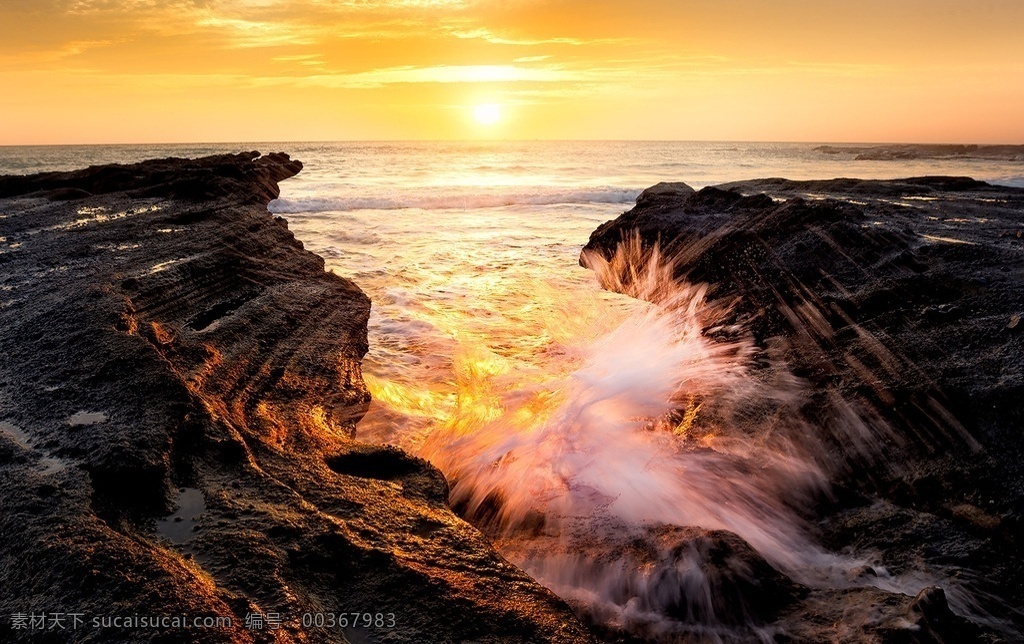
94,71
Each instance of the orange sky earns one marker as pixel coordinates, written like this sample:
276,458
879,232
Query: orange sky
95,71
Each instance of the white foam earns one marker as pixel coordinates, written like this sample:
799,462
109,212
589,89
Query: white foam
87,418
477,197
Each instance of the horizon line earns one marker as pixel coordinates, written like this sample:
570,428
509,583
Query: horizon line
494,141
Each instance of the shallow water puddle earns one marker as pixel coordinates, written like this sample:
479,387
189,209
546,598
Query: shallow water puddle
20,437
179,526
52,464
87,418
49,464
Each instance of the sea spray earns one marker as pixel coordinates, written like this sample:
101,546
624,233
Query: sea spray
657,426
672,500
640,456
445,354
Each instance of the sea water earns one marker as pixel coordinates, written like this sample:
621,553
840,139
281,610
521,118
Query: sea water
567,418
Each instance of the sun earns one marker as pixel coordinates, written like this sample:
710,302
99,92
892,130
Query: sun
487,113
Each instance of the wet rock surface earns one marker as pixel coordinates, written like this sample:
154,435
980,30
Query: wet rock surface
898,304
708,583
179,388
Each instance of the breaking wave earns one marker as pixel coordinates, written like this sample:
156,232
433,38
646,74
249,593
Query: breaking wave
457,199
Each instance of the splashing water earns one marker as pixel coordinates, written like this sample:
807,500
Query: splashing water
572,429
589,443
611,445
605,443
644,425
635,447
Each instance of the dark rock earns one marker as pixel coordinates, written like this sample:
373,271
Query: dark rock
664,190
936,622
387,463
930,606
743,589
895,302
214,469
671,583
860,573
68,194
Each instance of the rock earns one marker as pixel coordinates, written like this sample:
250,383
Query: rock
936,622
667,582
743,590
930,606
890,300
833,276
861,573
213,369
664,189
975,516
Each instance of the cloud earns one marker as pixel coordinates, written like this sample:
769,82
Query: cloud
389,4
85,7
532,59
486,34
442,74
49,56
252,33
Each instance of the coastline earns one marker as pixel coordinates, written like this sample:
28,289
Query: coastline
895,305
179,402
176,440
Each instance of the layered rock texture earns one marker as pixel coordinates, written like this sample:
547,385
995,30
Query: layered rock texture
898,304
179,387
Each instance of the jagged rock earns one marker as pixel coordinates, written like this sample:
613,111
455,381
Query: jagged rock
665,189
709,577
179,388
931,606
890,300
663,583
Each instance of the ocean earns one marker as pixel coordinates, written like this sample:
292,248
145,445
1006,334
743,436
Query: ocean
471,248
497,357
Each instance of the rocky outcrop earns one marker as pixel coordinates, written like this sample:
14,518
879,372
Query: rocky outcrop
898,303
179,388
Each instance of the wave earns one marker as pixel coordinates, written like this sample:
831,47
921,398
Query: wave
1012,182
540,196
